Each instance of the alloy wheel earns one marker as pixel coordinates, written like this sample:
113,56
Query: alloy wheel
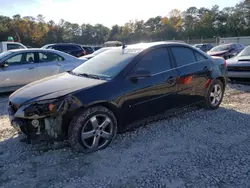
97,132
216,95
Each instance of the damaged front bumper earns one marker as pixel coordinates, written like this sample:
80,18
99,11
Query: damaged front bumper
41,119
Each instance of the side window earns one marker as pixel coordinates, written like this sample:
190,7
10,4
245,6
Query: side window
15,60
67,48
155,61
14,46
199,56
29,58
49,57
233,46
183,55
19,59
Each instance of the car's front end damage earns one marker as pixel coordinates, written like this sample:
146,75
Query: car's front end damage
41,120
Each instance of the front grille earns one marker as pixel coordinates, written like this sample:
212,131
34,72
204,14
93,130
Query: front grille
238,69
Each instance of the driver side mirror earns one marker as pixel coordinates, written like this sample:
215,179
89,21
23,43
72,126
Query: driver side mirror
4,65
142,73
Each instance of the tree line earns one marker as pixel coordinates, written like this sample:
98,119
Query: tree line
191,23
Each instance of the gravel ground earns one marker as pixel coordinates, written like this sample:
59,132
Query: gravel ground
195,149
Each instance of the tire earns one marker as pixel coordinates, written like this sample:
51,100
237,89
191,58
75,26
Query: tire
95,124
212,103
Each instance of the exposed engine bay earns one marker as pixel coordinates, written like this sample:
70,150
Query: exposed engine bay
41,120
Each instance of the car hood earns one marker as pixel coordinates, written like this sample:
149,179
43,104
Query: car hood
52,87
239,60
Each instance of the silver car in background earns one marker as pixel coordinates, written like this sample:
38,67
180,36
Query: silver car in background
239,66
23,66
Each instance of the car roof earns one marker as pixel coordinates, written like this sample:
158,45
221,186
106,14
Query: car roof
152,44
34,50
61,44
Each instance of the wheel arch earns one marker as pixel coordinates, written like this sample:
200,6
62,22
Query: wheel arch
222,80
110,106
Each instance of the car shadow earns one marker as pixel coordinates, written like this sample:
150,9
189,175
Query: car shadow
180,114
191,136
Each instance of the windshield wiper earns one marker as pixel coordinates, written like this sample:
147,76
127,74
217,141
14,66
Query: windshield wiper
91,76
74,73
86,75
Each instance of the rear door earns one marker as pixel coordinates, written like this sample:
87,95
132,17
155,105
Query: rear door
154,94
49,64
21,70
193,70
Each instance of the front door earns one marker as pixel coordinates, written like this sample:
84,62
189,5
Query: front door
151,95
49,64
20,70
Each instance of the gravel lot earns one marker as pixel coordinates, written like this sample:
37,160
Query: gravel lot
195,149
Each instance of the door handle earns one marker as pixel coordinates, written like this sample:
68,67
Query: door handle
30,68
171,80
59,64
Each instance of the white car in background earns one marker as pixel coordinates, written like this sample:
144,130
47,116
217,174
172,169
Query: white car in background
5,46
23,66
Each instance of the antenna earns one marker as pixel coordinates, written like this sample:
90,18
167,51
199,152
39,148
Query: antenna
123,47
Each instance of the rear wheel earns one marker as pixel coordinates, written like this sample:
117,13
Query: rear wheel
92,130
214,95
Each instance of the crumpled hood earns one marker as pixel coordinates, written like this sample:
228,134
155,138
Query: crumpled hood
52,87
216,53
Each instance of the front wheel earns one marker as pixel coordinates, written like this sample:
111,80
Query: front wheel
92,130
214,95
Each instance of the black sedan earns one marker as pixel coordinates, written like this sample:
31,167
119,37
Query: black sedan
91,103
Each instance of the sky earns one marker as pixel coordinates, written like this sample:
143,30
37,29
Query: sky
106,12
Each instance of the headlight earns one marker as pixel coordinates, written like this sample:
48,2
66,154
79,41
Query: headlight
42,108
47,107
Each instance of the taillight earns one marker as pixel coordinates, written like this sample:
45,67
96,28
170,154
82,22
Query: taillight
225,63
83,53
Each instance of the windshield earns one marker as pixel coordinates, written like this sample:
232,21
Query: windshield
245,52
108,64
4,54
221,48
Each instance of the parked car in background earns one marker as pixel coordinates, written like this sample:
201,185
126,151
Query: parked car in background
204,47
76,50
112,44
239,66
97,52
88,49
89,104
20,67
96,47
5,46
226,50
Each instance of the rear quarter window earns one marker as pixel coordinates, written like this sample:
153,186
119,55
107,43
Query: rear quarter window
199,56
183,55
